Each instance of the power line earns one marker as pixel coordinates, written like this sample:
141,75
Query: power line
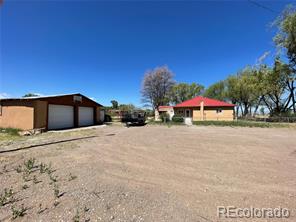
262,6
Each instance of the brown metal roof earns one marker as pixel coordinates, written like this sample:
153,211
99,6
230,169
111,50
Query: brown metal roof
45,97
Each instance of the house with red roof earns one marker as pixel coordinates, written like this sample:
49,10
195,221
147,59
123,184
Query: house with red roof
201,108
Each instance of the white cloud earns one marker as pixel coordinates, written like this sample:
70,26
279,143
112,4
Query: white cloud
4,95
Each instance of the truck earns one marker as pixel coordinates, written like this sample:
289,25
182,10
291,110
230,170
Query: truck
134,118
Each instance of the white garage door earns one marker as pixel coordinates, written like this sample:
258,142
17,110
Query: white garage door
60,117
86,116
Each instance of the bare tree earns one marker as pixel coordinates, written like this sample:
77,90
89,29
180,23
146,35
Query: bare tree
156,86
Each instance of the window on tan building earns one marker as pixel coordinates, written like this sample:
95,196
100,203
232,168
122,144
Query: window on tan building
180,112
219,110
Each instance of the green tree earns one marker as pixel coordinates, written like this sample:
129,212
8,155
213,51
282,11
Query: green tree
286,39
259,89
30,95
183,91
126,107
241,90
277,95
216,91
114,104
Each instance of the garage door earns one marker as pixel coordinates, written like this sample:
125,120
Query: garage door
86,116
60,116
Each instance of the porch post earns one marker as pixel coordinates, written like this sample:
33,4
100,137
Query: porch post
202,110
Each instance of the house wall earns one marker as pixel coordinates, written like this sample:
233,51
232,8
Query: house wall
196,114
40,114
98,115
227,114
210,113
17,114
168,110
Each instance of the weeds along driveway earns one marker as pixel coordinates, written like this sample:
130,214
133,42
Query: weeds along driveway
153,173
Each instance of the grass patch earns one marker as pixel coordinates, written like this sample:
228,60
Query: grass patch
239,123
169,123
9,133
6,197
18,212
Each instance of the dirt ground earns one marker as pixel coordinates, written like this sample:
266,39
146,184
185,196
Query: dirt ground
151,173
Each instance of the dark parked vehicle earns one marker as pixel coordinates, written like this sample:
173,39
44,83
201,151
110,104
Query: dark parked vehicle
134,118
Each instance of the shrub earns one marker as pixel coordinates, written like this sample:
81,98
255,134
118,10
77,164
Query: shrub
177,119
107,118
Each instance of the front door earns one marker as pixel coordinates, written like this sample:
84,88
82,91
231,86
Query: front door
187,113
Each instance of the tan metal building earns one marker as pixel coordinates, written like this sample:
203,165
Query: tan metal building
49,112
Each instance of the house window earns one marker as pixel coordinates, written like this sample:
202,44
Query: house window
218,110
180,112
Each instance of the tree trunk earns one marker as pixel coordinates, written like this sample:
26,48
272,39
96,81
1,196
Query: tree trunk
269,107
257,106
246,109
156,115
241,108
293,97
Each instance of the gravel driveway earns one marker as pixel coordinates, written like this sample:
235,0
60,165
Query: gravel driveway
151,173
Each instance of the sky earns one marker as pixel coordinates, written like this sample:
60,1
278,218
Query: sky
103,48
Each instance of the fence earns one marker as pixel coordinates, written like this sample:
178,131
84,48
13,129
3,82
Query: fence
274,119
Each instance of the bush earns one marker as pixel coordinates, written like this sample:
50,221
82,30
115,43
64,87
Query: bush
165,117
107,118
177,119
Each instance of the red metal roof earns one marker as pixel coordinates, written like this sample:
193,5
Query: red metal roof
195,102
165,107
